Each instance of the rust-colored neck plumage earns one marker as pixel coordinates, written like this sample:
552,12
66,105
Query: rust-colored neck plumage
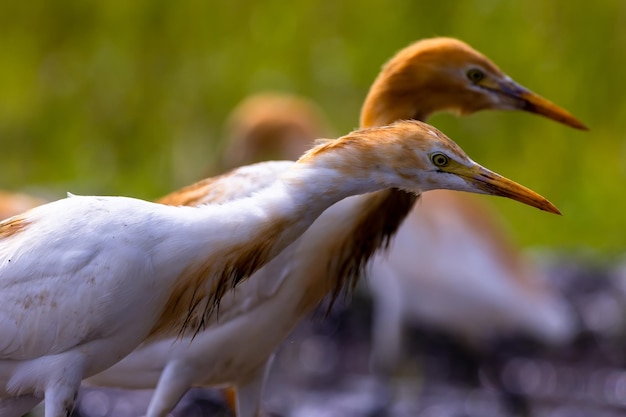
400,90
381,215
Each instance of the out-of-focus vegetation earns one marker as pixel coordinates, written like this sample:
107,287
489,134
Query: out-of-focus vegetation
129,98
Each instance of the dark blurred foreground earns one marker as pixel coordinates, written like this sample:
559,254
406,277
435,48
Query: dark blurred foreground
322,369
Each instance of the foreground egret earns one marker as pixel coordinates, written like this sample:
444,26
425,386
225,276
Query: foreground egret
428,76
84,280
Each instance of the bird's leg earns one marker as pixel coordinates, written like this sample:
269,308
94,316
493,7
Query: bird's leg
62,389
60,399
18,406
249,391
387,338
230,397
172,385
386,328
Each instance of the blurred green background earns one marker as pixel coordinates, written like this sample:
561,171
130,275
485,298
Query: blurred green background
129,98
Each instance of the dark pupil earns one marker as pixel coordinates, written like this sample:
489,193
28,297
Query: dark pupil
440,160
475,75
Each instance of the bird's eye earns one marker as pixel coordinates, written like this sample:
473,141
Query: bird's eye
440,159
475,75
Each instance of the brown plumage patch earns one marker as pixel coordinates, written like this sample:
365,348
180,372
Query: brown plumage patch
401,141
378,220
13,226
195,193
375,226
193,300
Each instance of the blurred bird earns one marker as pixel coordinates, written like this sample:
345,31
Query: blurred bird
428,76
84,280
272,126
16,203
486,293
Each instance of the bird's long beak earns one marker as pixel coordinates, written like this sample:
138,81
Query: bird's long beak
534,103
491,183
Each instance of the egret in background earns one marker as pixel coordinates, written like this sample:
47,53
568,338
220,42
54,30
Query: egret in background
272,126
16,203
428,76
469,303
84,280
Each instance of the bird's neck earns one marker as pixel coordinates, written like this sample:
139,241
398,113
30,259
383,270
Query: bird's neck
235,239
380,115
395,97
359,228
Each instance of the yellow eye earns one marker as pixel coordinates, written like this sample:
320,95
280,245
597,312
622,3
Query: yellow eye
475,75
439,159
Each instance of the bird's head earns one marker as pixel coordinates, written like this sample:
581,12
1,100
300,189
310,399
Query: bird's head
445,74
416,157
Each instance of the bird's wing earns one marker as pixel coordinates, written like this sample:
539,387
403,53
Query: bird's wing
56,294
35,312
242,312
237,183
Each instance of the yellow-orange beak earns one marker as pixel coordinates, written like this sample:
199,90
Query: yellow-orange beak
488,182
534,103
